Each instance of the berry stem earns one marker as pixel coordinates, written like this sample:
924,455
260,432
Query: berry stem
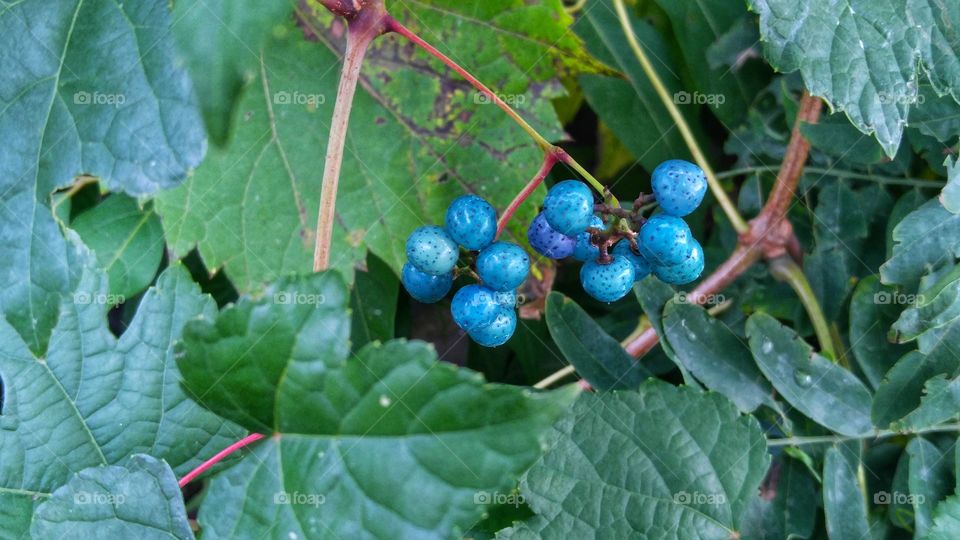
785,269
555,376
850,175
729,209
549,160
249,439
764,237
361,30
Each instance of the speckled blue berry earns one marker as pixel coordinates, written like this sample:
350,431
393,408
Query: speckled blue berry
424,287
471,222
679,186
641,268
585,250
547,241
474,306
569,207
685,272
608,282
506,298
665,240
499,331
430,249
503,266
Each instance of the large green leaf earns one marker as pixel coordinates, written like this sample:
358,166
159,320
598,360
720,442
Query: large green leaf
715,355
902,388
384,442
930,481
935,307
597,357
88,87
95,400
950,196
817,387
140,499
844,506
128,242
866,56
664,462
940,402
631,107
873,309
411,147
926,239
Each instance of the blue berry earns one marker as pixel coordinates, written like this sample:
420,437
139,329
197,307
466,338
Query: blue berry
665,240
569,207
641,268
547,241
506,298
430,249
685,272
679,186
503,266
474,306
585,250
424,287
471,222
608,282
499,331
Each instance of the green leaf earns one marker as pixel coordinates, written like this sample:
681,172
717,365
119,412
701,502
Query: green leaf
597,357
785,509
937,306
127,240
697,26
823,391
865,57
373,303
950,196
926,239
715,355
936,116
843,504
940,402
930,481
872,312
386,439
95,399
631,108
138,500
411,147
901,391
220,42
93,88
656,463
946,520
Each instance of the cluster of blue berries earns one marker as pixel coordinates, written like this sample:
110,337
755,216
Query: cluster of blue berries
486,311
614,255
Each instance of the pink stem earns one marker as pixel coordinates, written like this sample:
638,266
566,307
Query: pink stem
253,437
549,160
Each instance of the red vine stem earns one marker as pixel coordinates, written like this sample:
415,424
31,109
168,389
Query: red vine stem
769,235
253,437
549,160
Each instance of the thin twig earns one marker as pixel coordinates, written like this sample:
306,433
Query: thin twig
549,160
852,175
879,434
249,439
556,376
